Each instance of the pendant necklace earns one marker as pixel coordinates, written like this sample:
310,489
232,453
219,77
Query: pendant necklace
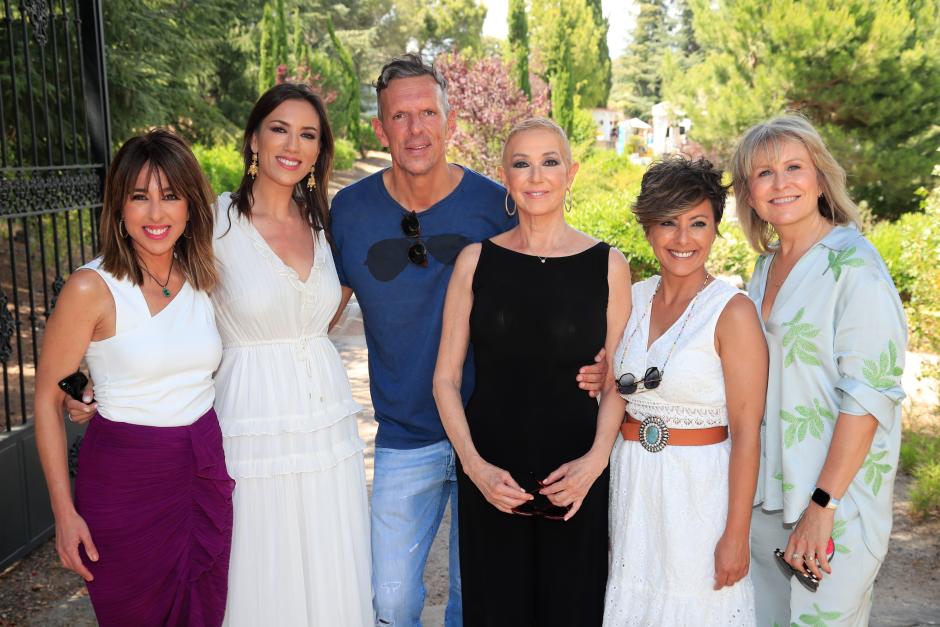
542,259
163,286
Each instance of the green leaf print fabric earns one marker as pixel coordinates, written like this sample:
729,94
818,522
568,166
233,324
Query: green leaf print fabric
836,336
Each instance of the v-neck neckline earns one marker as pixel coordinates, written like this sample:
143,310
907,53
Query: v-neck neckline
185,285
649,314
256,234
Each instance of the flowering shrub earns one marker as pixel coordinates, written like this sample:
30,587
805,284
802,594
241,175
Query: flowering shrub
488,103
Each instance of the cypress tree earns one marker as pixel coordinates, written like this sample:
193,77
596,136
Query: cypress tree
644,56
603,52
562,84
266,63
519,45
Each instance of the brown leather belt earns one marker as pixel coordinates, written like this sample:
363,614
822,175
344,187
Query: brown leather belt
660,435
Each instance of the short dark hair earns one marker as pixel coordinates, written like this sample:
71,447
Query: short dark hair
408,65
314,203
673,186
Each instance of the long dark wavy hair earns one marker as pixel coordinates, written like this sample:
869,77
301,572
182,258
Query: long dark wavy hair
314,203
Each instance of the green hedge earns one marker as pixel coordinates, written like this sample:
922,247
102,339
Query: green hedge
223,166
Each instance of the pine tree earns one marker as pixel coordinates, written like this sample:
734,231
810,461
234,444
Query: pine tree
644,56
267,66
519,45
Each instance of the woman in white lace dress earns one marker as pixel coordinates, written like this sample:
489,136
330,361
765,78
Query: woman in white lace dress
300,546
692,366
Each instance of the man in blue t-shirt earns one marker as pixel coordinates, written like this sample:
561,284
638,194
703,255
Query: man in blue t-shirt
396,236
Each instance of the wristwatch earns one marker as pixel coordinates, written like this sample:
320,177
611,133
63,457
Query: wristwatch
823,499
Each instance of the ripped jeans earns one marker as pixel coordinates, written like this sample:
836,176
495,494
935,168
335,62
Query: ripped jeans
409,493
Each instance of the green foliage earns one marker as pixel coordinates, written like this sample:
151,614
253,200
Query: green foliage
162,58
910,247
602,194
562,83
805,420
920,457
222,164
519,45
583,127
842,259
436,26
875,470
731,254
925,495
344,156
643,57
273,49
350,98
560,25
866,72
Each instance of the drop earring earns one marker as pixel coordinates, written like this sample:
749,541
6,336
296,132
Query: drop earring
253,168
311,180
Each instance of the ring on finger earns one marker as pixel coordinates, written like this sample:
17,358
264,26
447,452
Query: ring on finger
794,556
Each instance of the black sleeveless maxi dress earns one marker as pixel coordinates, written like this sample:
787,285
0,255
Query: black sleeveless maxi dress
533,324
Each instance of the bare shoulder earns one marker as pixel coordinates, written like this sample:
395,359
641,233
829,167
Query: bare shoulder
84,293
618,268
738,317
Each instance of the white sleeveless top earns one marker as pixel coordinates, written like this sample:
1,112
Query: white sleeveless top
692,392
155,370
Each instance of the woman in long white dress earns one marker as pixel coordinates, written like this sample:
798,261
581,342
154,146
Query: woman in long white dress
300,548
692,366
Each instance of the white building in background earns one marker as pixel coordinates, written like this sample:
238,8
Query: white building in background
605,120
670,129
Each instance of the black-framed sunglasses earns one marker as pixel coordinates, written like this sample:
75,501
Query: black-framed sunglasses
540,506
418,252
806,578
627,383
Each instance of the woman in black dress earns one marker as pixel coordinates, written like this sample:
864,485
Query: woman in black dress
535,303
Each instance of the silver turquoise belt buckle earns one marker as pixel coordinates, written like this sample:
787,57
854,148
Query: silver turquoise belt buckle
654,434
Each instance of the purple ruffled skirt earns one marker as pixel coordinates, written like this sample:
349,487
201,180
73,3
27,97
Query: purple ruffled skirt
158,503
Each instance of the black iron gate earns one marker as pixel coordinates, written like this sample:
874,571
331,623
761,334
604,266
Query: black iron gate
54,147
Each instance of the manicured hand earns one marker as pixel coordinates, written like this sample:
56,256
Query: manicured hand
593,377
809,540
497,486
81,412
569,483
732,559
69,533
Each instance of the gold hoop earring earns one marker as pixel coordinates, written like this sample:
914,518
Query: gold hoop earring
121,228
253,168
311,180
568,203
506,206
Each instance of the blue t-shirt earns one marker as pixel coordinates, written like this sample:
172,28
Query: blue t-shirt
402,303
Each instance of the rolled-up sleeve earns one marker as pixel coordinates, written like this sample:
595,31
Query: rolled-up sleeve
870,344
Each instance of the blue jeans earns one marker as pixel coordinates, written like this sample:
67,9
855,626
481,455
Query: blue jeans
410,490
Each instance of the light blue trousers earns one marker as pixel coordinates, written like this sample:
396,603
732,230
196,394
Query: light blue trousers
410,491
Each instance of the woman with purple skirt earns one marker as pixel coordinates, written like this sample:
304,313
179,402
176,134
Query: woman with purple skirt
150,528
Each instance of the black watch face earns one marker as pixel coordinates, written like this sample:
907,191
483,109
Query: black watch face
820,497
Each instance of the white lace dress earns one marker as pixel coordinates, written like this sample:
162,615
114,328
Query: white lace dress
300,547
668,509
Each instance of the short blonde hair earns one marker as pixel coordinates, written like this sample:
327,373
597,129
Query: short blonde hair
835,205
539,123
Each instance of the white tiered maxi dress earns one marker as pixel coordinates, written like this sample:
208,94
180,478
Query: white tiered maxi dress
300,545
668,509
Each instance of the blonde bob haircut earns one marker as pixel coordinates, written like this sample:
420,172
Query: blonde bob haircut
167,157
767,139
544,124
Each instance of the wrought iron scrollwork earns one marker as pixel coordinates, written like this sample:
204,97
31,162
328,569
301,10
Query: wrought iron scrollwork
47,191
6,329
38,11
57,286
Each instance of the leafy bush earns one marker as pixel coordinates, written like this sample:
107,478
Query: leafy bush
345,154
925,495
917,449
603,191
223,166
